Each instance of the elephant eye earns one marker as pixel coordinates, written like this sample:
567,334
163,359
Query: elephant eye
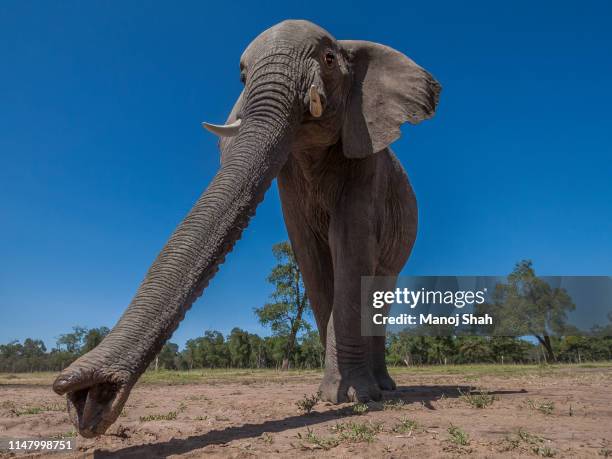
330,58
242,78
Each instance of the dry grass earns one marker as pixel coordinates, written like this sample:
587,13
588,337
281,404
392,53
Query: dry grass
266,375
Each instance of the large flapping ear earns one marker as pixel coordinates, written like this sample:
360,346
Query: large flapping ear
387,90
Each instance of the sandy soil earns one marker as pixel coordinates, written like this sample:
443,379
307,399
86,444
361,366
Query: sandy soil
561,412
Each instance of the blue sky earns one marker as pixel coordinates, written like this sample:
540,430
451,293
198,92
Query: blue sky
102,154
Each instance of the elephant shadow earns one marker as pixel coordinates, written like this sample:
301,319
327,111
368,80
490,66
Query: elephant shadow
422,394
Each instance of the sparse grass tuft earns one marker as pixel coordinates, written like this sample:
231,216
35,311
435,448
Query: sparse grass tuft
544,451
307,403
350,432
458,436
528,442
478,399
69,434
405,425
544,406
394,404
171,416
355,432
527,437
317,441
54,407
31,410
28,411
360,408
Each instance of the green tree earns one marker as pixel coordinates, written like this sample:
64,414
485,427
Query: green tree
441,349
167,357
258,357
214,350
311,351
11,355
33,352
72,341
239,348
472,349
275,350
93,337
289,303
507,349
527,305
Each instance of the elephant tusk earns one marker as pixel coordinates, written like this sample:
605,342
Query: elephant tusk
224,130
316,109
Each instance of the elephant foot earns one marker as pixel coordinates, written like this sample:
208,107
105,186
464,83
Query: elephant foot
355,386
385,382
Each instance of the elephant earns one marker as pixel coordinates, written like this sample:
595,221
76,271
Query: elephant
318,114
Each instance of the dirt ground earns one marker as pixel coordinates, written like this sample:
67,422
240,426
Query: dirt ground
561,411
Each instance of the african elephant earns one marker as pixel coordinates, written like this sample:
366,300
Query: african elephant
318,114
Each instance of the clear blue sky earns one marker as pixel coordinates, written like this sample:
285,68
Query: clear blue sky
102,153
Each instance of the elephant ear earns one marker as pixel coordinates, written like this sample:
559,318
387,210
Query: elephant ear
387,90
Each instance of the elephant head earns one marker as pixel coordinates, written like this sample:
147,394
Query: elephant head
302,88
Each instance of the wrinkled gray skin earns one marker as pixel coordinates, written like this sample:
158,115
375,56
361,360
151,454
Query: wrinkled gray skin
347,203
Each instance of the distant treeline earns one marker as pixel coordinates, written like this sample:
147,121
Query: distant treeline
241,349
405,349
32,355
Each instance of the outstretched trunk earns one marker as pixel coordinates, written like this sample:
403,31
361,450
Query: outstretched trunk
98,383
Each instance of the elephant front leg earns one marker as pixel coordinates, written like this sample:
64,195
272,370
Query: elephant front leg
348,373
348,377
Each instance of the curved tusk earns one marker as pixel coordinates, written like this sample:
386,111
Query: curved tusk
316,109
224,130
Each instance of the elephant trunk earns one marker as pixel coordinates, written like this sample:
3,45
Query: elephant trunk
98,383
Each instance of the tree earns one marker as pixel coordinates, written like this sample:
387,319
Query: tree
528,305
311,351
239,347
33,352
11,355
258,357
472,349
94,337
275,350
167,357
289,303
72,341
507,349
